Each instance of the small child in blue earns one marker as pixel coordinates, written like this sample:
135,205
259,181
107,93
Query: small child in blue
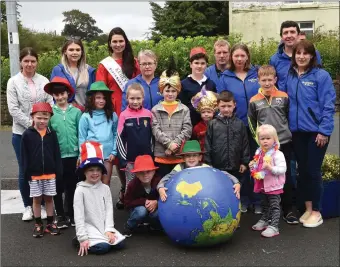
99,123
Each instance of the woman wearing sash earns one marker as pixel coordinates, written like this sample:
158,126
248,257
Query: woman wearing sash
73,67
115,71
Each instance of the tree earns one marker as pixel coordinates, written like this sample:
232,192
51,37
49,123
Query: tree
190,18
80,24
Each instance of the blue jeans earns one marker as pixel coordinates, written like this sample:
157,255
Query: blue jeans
140,214
103,248
23,184
309,158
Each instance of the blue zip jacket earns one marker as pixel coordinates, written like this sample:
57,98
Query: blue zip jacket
211,73
60,71
242,91
152,96
281,62
100,130
311,101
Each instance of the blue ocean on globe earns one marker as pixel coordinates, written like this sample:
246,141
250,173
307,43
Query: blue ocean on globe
201,208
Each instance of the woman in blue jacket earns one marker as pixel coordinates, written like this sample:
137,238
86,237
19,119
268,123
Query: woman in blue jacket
241,80
73,67
311,110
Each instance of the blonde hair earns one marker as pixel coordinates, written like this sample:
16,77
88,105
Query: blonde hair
135,86
147,53
270,130
266,70
221,42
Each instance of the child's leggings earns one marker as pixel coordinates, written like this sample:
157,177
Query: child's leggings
271,209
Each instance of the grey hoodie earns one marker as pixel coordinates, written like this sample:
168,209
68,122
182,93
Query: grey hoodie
93,212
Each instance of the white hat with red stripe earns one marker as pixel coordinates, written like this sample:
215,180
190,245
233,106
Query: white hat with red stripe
91,154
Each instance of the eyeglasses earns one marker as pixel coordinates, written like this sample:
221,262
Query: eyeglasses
73,38
147,64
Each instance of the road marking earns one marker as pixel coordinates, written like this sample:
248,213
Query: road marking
11,202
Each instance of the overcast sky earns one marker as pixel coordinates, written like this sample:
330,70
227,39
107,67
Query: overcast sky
134,17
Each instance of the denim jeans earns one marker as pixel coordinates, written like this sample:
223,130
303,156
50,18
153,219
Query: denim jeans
140,214
309,158
103,248
23,184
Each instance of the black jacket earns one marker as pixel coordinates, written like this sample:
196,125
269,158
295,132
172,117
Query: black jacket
226,144
40,155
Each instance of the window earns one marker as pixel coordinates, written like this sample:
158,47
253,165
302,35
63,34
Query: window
307,27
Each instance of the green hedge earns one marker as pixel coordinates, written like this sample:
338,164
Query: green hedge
326,43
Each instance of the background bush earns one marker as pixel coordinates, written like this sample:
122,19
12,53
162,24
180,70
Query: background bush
326,42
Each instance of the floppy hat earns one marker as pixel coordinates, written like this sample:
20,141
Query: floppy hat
143,163
42,107
99,86
191,147
58,81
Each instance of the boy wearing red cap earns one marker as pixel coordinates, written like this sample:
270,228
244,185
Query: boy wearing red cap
42,165
141,195
196,81
65,123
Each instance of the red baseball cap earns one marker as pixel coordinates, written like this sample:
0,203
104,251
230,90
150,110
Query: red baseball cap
48,88
144,163
197,50
42,107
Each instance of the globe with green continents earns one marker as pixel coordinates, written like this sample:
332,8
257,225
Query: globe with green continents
201,208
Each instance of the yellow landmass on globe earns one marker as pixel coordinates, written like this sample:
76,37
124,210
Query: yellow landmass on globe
190,190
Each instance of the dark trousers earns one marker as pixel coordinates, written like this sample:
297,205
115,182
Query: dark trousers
271,209
164,169
309,158
66,185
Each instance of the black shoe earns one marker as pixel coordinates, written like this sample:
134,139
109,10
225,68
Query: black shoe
38,230
62,222
73,224
127,231
52,229
290,218
120,204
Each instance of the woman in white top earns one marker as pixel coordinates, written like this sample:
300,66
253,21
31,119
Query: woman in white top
23,90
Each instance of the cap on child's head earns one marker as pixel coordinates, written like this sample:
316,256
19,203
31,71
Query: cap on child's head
191,147
42,107
204,100
197,50
91,155
57,85
144,163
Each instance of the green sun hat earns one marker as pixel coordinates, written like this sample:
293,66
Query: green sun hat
99,86
191,147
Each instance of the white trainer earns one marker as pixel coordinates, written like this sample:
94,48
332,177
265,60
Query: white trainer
27,215
43,213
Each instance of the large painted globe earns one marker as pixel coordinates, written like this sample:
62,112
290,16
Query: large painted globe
201,208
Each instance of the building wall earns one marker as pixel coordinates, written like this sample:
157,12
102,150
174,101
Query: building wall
256,21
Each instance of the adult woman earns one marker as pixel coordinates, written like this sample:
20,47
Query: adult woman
115,71
23,90
119,67
241,80
311,109
73,67
148,63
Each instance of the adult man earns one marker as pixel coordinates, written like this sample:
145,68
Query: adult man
221,53
281,60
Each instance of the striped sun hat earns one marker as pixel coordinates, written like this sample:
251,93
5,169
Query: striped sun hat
91,154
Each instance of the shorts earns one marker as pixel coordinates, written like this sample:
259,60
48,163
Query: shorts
43,187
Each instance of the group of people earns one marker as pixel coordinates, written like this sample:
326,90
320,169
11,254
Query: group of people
244,120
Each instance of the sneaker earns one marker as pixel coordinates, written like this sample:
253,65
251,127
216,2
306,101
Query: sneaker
313,221
52,229
43,214
271,231
290,218
260,226
72,222
38,230
258,209
244,208
119,204
304,217
27,215
127,231
62,222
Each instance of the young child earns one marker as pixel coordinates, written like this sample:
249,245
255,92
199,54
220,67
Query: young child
205,102
268,169
192,156
226,140
171,124
141,195
134,131
270,106
99,123
65,123
93,209
42,165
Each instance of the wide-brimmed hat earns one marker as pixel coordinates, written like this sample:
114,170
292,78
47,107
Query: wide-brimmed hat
42,107
59,82
143,163
191,147
99,86
91,155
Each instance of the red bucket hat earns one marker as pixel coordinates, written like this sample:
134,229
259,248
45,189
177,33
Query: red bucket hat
197,50
48,88
42,107
144,163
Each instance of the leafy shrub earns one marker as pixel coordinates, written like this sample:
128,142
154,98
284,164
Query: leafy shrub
331,167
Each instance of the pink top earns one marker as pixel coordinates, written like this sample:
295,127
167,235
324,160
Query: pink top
33,89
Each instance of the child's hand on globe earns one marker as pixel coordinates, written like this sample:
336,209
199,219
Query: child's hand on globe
237,188
162,193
